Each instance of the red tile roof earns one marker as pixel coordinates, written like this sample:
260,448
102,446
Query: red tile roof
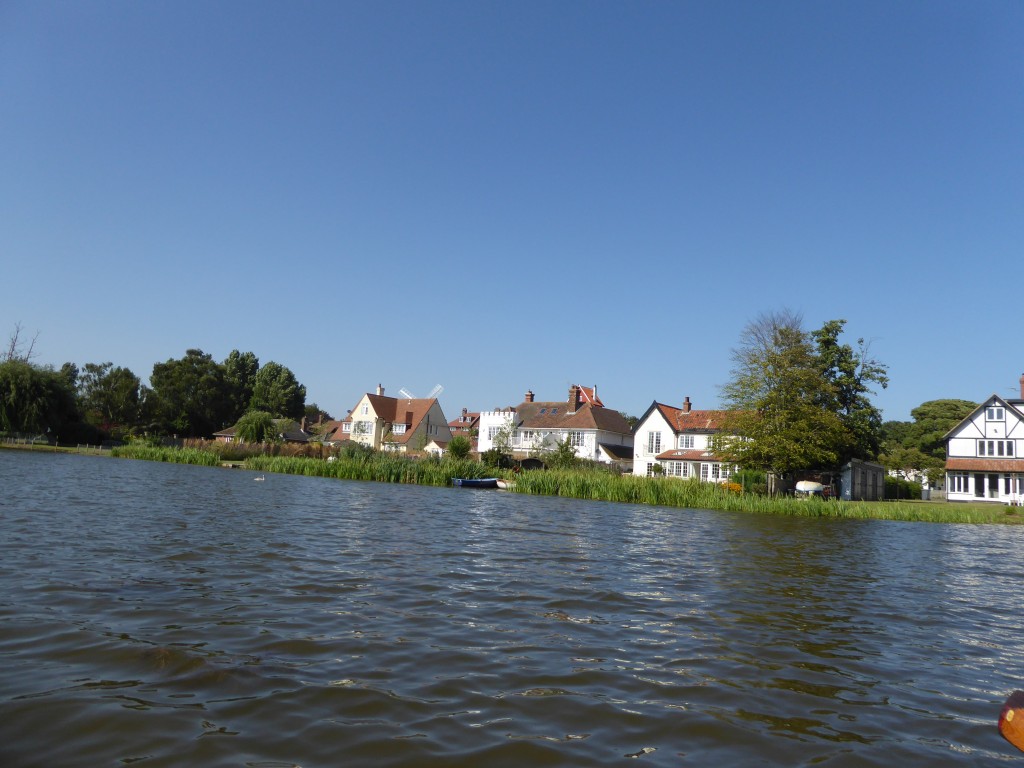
692,421
985,465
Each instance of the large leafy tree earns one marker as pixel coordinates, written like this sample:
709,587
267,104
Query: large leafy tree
110,397
797,400
240,369
276,390
851,373
919,445
34,399
192,397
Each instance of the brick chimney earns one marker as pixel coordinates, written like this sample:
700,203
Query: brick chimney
686,405
574,398
1022,386
528,397
380,389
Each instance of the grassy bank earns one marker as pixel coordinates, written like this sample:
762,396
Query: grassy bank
591,485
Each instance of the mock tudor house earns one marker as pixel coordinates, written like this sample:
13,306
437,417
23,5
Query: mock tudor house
398,424
985,453
597,433
679,441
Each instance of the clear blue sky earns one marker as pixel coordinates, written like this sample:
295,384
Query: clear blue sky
519,195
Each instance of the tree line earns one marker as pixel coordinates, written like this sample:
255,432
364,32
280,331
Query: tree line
192,396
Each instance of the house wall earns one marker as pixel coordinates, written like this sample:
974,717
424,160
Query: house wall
490,421
526,440
994,441
433,426
643,452
363,414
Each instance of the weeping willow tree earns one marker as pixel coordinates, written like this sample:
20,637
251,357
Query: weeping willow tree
256,427
34,399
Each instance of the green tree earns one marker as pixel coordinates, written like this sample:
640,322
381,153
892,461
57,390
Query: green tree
276,390
192,399
917,446
256,427
459,447
851,373
35,400
240,369
561,454
109,397
782,416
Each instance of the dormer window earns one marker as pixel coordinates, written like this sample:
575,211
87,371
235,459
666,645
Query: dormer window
398,429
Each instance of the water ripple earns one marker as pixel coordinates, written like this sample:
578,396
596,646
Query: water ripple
169,615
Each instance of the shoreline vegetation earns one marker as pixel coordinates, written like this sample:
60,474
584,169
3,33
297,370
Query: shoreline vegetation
586,484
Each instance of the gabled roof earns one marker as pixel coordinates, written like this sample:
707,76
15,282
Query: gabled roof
696,422
465,421
398,410
993,400
589,395
556,415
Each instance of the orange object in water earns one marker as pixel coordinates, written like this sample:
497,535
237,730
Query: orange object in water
1011,720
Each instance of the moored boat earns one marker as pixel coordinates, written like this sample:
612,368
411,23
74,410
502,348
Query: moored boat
475,482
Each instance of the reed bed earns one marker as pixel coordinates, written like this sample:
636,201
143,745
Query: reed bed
694,494
170,455
376,467
591,485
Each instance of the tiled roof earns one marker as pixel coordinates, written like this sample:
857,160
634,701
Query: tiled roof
398,410
556,415
692,421
985,465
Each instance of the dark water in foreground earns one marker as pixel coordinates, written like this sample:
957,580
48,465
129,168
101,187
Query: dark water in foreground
164,615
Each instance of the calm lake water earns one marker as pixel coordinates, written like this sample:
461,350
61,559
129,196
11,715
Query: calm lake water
166,615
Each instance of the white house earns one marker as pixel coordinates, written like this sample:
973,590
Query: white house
597,433
985,453
395,423
679,441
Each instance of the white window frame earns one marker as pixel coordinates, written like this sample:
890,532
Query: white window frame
685,441
653,443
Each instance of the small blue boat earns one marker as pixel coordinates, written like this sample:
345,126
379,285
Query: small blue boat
475,482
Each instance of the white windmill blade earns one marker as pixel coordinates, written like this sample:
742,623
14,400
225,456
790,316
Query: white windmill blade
406,394
435,392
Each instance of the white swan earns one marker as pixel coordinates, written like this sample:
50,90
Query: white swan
260,479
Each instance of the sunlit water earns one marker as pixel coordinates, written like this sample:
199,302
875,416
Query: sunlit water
168,615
